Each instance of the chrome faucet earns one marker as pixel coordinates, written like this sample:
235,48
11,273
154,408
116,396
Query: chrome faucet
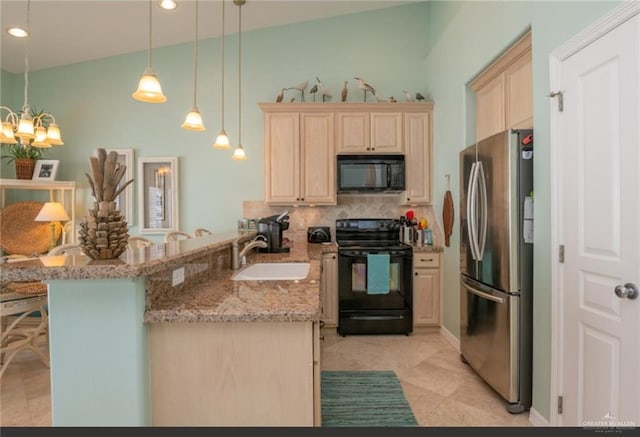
239,258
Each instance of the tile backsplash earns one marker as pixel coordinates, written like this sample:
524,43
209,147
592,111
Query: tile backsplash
349,206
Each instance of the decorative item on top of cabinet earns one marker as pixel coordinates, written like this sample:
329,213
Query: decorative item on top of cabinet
299,156
325,93
427,286
364,86
300,87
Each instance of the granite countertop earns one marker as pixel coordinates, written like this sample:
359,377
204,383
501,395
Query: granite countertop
226,300
132,263
427,248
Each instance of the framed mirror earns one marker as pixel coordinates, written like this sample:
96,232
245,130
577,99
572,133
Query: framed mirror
158,194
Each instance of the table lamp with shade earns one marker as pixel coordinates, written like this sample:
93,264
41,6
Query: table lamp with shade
52,212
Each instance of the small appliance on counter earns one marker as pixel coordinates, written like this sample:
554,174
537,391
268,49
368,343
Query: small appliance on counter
271,228
318,234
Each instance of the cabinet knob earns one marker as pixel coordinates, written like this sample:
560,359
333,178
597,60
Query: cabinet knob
373,148
415,273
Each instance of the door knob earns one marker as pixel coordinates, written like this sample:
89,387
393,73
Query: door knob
628,290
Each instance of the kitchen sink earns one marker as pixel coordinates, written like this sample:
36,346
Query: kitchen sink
272,272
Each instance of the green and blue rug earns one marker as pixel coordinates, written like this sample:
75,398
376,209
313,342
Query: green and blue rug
364,398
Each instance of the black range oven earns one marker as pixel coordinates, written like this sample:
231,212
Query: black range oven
374,278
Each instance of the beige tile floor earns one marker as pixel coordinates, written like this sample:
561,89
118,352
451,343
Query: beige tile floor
441,390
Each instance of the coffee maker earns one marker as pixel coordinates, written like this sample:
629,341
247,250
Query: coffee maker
271,229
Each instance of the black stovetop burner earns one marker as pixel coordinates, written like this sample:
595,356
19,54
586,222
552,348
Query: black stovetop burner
368,232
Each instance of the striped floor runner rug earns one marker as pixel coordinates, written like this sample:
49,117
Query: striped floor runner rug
364,398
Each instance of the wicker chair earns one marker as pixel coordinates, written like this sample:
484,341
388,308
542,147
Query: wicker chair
135,241
200,232
66,249
172,236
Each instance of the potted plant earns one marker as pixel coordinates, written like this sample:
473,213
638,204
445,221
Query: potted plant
24,156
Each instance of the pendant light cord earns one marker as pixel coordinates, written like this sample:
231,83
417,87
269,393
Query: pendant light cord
239,74
195,66
25,108
222,49
149,51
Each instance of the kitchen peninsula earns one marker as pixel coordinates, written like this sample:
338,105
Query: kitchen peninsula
163,336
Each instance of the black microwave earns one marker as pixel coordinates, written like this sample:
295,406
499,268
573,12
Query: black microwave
370,173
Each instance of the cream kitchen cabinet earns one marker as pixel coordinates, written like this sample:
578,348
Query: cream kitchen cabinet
418,157
369,132
299,156
329,290
504,92
427,286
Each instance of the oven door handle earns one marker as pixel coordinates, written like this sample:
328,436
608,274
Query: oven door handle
482,294
396,317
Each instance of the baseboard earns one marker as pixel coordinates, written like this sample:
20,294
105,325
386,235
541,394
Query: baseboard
450,338
537,419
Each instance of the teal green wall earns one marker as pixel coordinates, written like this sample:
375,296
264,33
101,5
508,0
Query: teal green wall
93,105
469,35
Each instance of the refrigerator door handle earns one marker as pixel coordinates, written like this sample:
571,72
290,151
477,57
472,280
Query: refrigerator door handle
482,188
482,294
471,211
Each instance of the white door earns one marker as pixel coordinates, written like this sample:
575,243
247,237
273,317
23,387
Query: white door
598,204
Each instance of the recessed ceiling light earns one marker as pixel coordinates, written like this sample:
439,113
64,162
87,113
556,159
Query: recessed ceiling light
17,32
168,4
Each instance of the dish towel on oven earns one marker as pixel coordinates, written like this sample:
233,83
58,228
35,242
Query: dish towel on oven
378,273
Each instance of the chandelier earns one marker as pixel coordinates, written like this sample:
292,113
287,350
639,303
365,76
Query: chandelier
37,129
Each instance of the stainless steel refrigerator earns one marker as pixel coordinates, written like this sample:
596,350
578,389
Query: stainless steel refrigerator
496,263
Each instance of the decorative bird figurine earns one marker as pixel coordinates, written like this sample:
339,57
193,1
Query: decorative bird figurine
323,90
365,87
300,87
392,99
280,95
407,96
419,97
314,90
345,91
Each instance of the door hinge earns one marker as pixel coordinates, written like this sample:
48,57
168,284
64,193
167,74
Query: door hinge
559,404
558,94
561,253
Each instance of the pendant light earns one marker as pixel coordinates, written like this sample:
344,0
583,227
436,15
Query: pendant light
238,153
149,89
222,140
194,119
36,130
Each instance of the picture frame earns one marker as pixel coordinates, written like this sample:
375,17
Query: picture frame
45,170
124,201
158,194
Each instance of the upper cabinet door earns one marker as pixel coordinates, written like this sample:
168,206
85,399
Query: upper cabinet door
519,90
490,110
282,157
386,132
353,132
504,92
369,132
318,155
417,130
